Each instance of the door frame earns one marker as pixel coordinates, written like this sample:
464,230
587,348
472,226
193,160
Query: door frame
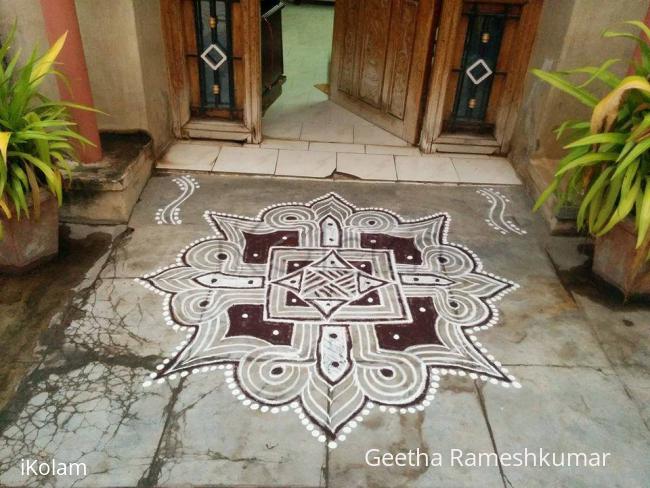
179,83
444,48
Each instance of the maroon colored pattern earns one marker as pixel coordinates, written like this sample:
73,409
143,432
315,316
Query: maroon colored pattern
365,266
257,246
402,247
421,331
246,320
294,300
371,298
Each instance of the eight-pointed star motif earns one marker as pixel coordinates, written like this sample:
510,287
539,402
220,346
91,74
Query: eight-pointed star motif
329,310
330,283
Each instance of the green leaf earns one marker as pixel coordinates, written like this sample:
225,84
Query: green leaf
599,73
603,138
640,25
20,196
596,189
624,207
636,151
63,103
627,35
5,208
605,210
595,206
559,82
36,193
546,194
640,129
588,159
44,64
9,40
4,144
580,126
643,215
607,109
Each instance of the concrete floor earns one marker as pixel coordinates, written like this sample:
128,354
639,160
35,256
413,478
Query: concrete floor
75,386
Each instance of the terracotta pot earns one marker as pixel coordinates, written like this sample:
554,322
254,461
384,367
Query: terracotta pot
28,242
619,263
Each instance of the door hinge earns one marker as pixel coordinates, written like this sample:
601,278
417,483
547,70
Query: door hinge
435,44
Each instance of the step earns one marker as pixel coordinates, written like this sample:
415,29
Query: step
466,148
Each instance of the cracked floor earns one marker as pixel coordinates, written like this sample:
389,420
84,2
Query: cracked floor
79,336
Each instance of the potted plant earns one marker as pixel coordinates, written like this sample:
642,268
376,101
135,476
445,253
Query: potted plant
606,170
36,136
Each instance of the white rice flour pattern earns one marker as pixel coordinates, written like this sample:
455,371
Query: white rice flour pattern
170,214
497,219
330,310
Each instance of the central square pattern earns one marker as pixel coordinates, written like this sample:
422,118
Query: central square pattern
334,286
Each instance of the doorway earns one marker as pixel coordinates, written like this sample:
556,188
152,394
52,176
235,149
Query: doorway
480,63
212,51
303,106
444,74
355,71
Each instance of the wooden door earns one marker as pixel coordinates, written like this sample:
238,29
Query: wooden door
486,46
212,28
481,59
381,55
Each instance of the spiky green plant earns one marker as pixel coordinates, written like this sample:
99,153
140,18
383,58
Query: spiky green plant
607,165
36,133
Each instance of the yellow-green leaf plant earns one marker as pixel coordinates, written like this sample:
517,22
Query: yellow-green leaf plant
36,133
607,165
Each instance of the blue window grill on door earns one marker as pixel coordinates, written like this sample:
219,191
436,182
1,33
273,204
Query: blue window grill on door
214,43
478,68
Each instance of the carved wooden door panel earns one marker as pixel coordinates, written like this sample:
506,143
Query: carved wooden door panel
380,60
212,46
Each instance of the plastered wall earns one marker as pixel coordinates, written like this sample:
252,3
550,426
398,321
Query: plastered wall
568,36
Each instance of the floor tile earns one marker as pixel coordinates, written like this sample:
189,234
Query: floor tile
314,164
284,144
625,336
281,128
394,150
565,410
120,317
96,414
425,168
198,157
371,134
637,385
485,170
336,113
367,166
317,131
453,421
214,441
134,257
247,160
336,147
